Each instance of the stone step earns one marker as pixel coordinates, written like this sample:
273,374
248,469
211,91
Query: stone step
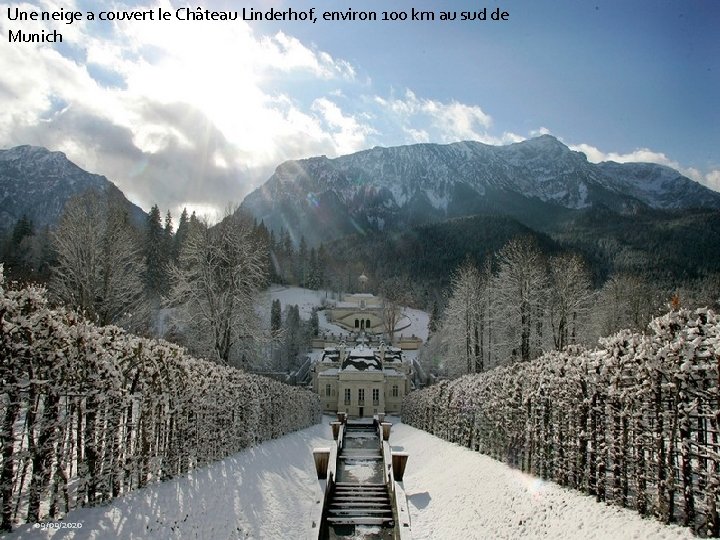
374,492
343,500
360,504
356,485
365,520
360,489
360,511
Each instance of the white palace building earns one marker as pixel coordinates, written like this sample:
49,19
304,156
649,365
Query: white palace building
361,381
371,377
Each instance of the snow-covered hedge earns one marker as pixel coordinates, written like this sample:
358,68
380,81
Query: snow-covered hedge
90,412
634,423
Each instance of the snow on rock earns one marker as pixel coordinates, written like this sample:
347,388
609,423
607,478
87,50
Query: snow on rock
454,493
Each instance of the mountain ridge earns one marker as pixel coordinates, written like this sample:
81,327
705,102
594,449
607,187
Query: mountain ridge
324,199
37,182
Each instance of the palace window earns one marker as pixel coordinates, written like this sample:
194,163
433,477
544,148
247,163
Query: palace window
376,396
347,396
328,389
361,396
395,390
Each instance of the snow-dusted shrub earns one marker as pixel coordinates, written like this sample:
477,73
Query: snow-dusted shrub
634,422
89,412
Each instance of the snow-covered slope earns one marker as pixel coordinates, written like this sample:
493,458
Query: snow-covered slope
658,186
271,491
37,182
327,198
412,321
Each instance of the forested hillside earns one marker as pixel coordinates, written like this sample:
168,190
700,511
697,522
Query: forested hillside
661,245
671,246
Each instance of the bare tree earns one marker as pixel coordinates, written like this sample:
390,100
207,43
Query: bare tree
394,297
521,285
570,298
463,321
214,287
625,301
99,269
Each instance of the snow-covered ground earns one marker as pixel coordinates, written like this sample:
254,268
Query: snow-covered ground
305,299
456,493
266,492
271,492
412,321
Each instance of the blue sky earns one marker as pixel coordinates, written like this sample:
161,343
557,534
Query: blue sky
198,114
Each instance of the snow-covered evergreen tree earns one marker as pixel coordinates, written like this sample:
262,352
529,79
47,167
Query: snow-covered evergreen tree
275,317
180,235
157,254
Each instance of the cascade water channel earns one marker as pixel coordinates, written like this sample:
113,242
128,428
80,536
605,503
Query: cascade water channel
361,500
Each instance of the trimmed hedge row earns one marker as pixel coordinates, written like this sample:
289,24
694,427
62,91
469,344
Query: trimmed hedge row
89,413
634,422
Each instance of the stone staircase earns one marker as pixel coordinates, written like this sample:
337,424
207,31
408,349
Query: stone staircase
360,504
361,500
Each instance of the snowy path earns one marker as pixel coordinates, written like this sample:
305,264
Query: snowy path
269,492
455,493
266,492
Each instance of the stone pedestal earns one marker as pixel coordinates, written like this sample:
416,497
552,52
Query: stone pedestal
335,429
386,430
399,460
321,457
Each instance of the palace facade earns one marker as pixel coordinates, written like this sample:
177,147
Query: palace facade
361,381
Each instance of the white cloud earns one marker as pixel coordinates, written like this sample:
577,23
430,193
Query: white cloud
712,179
644,155
447,121
417,135
287,53
347,133
426,120
171,97
540,131
200,113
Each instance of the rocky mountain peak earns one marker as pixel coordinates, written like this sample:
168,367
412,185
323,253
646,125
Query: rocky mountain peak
37,182
388,187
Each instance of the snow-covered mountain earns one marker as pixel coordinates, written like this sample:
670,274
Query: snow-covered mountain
658,186
37,182
385,187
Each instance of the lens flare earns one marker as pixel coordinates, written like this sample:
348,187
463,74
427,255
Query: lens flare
313,200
